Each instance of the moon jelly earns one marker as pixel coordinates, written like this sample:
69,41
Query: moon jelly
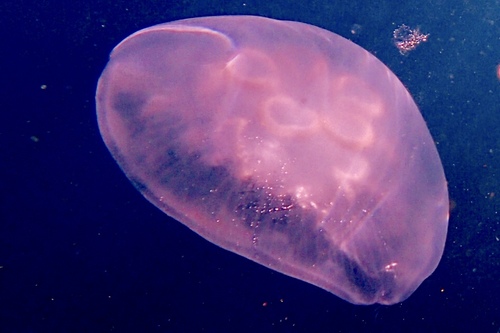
284,143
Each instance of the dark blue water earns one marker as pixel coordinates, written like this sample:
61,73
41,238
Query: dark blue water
82,251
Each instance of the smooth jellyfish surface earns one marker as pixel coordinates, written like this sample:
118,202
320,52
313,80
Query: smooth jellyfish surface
284,143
